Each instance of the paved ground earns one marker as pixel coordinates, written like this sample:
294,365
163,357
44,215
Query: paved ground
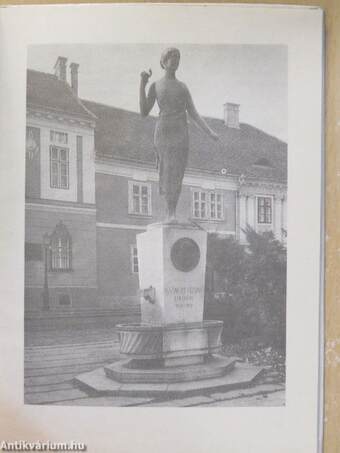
54,357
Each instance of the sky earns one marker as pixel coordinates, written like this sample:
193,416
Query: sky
253,76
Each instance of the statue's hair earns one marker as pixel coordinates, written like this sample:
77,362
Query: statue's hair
166,54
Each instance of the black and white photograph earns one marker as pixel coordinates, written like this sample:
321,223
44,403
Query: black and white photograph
162,248
156,225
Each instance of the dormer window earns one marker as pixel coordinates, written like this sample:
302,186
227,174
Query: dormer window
61,253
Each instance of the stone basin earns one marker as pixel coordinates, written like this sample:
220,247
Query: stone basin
171,342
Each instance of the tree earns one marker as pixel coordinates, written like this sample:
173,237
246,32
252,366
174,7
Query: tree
267,273
246,286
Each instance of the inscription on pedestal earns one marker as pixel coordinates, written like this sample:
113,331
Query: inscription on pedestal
172,261
184,296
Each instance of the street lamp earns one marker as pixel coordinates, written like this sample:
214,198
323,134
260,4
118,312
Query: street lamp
45,294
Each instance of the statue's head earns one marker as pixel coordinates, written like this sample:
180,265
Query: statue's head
172,54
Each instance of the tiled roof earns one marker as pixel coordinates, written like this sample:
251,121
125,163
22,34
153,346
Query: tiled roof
126,135
46,91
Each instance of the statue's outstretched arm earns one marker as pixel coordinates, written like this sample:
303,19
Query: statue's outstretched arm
146,102
191,109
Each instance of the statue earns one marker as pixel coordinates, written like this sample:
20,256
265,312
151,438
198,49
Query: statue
171,136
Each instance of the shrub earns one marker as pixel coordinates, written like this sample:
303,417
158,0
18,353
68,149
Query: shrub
246,287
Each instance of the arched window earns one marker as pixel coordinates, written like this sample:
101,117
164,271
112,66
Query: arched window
61,251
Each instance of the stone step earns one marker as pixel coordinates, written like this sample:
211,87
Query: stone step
97,383
212,367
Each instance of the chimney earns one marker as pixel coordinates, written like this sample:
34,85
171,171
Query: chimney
74,77
60,68
231,115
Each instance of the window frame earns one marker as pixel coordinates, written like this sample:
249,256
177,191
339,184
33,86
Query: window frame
140,185
62,252
59,173
133,257
208,205
58,133
265,197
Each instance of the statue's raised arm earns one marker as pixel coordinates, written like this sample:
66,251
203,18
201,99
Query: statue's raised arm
146,102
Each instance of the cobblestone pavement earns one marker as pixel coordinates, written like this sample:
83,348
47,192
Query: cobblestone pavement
53,357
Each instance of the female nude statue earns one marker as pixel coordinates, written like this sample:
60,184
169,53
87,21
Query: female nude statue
171,137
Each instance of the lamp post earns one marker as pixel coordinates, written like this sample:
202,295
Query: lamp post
45,294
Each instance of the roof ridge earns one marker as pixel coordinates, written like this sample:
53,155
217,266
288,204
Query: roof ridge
115,108
78,100
53,76
204,116
49,83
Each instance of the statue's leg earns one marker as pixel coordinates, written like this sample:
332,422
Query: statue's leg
171,174
170,208
172,200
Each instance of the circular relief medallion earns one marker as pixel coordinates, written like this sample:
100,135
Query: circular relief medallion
185,254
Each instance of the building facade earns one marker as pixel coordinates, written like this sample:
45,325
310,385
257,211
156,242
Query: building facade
92,185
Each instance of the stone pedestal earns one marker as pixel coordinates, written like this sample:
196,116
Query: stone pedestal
173,350
172,259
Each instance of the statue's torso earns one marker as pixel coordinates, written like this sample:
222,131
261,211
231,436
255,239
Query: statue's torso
171,135
171,97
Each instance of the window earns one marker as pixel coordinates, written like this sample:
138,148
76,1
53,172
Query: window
61,249
207,205
134,259
59,167
215,206
264,210
59,160
64,299
59,138
200,205
139,198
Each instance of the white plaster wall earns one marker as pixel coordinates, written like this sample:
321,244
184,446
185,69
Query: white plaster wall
243,217
251,212
89,171
248,211
69,194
